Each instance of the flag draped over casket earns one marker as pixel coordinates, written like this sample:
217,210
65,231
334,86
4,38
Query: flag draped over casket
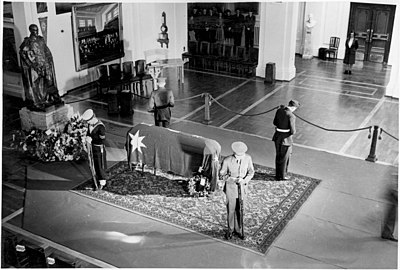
174,151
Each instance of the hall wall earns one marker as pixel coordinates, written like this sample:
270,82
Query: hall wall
141,26
332,20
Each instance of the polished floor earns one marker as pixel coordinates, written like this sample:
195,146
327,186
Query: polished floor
339,225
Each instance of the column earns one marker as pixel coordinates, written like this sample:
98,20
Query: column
278,28
392,89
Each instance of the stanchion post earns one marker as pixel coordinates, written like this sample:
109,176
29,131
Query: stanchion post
207,108
372,156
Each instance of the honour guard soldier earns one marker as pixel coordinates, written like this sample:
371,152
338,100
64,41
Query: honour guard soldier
236,170
95,137
285,123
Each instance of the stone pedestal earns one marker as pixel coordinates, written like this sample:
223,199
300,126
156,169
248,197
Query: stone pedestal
53,117
307,54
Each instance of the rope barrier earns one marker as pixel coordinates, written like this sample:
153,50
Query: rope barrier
79,100
384,131
336,130
199,95
242,114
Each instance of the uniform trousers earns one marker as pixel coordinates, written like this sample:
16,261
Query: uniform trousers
233,207
283,153
100,161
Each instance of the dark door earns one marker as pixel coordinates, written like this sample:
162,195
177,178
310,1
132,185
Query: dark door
373,25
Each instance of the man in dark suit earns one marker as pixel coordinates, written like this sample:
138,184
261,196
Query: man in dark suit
285,123
250,22
238,20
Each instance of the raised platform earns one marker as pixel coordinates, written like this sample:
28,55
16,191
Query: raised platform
53,117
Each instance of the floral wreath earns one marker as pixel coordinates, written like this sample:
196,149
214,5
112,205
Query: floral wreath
52,144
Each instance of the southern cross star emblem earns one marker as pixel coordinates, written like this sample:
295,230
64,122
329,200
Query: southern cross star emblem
136,142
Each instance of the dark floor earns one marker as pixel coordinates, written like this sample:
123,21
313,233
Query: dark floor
330,100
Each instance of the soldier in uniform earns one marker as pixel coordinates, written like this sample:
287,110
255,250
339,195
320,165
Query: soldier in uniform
285,123
236,170
96,136
160,102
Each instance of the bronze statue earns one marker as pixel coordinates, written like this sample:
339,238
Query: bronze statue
38,72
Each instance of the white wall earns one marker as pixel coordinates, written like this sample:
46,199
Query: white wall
141,26
142,22
332,20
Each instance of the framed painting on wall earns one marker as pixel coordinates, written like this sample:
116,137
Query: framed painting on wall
64,7
97,34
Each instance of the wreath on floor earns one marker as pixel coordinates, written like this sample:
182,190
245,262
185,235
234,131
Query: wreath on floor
52,144
199,185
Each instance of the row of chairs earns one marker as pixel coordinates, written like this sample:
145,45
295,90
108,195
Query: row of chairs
222,58
129,76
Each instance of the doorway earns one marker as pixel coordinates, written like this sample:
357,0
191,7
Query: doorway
373,25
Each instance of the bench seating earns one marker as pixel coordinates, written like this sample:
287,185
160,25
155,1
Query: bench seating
222,58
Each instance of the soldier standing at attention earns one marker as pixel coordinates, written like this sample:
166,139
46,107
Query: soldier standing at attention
96,137
285,123
160,102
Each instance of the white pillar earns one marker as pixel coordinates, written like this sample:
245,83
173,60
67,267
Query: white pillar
278,26
392,89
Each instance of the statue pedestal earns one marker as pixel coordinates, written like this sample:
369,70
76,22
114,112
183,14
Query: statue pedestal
304,56
308,51
53,117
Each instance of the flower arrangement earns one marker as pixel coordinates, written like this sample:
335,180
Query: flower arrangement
198,186
53,145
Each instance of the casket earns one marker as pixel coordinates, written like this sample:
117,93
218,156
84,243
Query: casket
173,151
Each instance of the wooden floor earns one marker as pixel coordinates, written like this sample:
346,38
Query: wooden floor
328,98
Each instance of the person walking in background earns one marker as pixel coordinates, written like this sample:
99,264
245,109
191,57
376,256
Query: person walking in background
350,53
390,217
285,123
236,171
96,137
160,102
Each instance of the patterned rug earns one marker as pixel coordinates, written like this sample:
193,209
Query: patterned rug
269,206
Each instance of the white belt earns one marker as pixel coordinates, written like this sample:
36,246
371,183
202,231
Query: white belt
282,130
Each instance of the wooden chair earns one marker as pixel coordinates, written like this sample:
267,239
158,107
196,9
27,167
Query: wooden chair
127,75
227,59
192,54
251,63
331,52
114,71
140,67
241,53
115,76
211,54
127,69
238,65
228,51
102,81
204,48
203,53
